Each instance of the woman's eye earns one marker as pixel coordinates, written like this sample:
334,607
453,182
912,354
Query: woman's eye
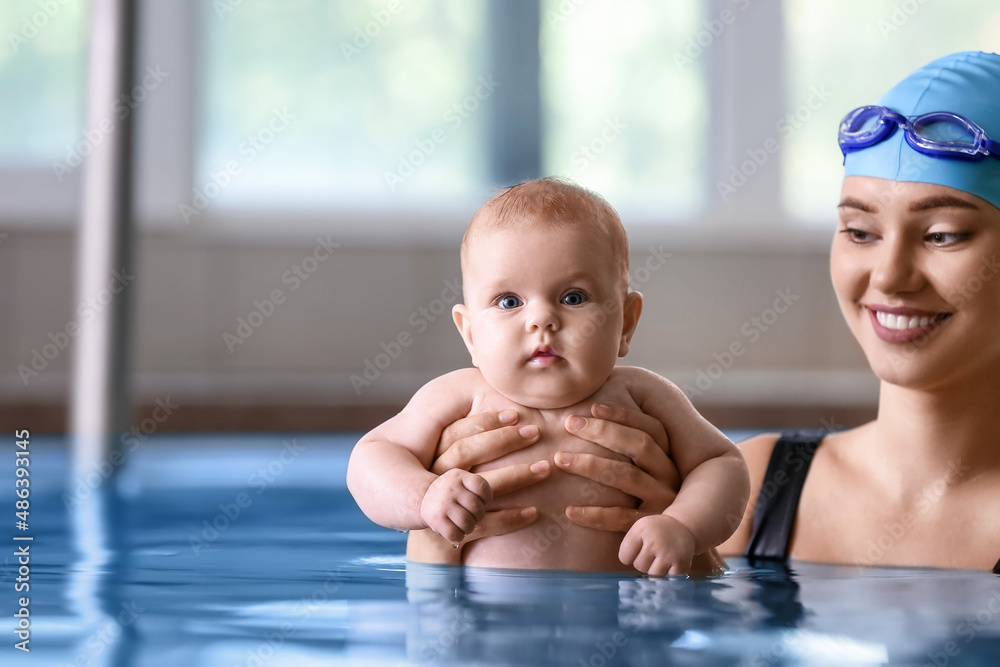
574,298
947,238
858,235
508,302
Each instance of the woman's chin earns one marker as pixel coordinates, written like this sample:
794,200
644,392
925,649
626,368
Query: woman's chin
919,374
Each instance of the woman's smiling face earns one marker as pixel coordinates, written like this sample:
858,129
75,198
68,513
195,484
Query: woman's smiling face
916,269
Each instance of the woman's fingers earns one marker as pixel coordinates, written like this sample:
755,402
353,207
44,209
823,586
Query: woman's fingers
615,519
501,522
484,446
633,443
654,495
513,477
474,425
632,418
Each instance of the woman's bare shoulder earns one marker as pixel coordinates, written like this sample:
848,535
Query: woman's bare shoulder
756,451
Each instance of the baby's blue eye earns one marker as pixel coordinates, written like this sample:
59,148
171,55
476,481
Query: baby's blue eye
574,298
508,302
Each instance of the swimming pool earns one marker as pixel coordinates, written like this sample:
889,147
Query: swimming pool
248,550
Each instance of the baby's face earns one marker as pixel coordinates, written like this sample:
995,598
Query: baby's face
543,313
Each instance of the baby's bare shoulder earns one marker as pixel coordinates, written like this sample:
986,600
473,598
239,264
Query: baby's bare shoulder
644,383
462,378
445,391
635,374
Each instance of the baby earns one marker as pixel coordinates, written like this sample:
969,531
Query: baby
547,312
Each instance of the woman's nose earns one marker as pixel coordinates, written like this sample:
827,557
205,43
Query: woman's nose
895,267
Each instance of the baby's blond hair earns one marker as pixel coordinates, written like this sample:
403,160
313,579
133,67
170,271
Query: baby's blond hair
556,203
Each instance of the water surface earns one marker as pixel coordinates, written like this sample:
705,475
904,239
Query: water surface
237,550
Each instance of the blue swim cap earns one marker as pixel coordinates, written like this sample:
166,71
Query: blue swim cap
965,83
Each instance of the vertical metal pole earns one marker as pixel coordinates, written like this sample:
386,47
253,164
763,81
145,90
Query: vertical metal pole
99,401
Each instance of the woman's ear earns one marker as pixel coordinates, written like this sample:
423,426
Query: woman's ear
631,310
460,314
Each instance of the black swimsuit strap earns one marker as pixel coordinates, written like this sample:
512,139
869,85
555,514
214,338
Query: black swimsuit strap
778,502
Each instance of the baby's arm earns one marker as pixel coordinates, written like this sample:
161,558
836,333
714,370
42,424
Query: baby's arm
388,471
714,487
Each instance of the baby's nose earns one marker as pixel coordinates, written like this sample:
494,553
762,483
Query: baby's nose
541,317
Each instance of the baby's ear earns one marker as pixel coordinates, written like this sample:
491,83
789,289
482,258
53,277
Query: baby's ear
631,310
460,314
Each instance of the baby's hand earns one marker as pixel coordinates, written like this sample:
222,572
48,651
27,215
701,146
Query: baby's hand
454,503
657,545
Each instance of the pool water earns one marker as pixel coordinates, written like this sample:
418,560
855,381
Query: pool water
236,550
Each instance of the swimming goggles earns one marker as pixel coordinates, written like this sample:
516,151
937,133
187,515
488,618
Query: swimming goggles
938,134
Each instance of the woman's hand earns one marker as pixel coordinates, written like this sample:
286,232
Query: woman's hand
426,546
483,437
653,478
480,438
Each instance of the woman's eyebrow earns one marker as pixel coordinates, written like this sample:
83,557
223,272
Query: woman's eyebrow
851,202
941,201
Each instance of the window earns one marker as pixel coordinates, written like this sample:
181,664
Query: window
623,113
322,104
42,73
391,111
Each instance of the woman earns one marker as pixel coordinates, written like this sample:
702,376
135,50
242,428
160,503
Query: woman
915,263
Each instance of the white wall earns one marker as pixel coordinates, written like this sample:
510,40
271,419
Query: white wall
189,293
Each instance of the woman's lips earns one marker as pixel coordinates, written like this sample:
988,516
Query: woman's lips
902,325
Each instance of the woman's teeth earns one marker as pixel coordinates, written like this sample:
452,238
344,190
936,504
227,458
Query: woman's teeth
902,322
